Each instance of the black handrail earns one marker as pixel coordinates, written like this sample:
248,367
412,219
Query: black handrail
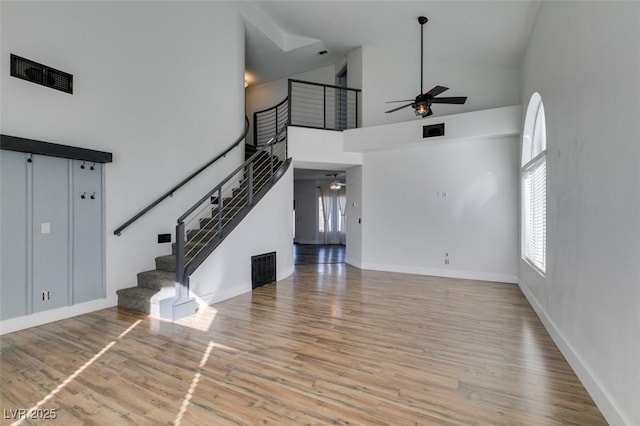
331,86
272,141
183,268
170,192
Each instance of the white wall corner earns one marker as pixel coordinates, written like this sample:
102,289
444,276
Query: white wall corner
353,262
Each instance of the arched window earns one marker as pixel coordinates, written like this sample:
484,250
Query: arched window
534,186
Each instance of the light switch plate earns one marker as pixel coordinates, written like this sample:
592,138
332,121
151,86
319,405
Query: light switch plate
45,228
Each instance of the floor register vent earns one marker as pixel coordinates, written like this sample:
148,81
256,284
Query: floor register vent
263,269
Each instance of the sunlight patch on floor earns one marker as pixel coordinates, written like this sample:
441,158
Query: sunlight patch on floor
202,320
194,384
69,379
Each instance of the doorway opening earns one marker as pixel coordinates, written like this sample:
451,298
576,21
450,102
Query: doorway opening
320,208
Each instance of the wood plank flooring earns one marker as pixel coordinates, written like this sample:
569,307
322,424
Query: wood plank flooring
313,254
330,345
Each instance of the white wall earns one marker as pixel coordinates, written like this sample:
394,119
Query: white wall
354,76
408,224
353,254
158,84
584,59
354,68
266,95
394,74
314,149
227,272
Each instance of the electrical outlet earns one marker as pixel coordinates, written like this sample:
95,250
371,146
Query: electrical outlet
45,295
446,259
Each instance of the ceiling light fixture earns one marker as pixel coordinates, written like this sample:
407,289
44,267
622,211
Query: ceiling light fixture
422,108
334,186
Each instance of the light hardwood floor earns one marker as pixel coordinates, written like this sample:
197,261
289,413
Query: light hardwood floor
330,345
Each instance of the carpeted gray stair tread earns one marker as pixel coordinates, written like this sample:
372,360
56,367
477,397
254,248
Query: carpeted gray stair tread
156,279
144,299
166,263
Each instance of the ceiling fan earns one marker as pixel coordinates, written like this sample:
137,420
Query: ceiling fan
335,185
422,103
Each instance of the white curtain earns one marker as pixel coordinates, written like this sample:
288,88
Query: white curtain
341,202
325,207
332,215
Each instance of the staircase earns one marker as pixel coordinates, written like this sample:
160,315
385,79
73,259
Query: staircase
209,222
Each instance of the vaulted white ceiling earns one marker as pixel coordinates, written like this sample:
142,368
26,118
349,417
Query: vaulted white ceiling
283,38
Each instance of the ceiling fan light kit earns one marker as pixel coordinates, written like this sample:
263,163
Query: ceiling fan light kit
335,185
422,103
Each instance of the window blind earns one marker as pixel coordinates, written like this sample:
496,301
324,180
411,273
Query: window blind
534,212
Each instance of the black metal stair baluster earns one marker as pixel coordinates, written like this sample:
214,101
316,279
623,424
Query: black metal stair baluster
324,107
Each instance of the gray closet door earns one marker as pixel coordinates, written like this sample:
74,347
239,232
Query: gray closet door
51,258
87,232
13,231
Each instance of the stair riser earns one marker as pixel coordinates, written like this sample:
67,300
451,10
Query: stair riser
144,301
166,263
156,281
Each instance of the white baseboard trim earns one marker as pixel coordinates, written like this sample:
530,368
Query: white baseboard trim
447,273
233,291
352,262
219,296
286,273
41,318
601,398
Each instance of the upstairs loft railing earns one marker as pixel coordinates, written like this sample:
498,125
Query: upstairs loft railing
308,104
171,191
322,106
267,122
205,224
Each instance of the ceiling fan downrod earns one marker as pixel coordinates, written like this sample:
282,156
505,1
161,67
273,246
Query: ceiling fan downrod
422,20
